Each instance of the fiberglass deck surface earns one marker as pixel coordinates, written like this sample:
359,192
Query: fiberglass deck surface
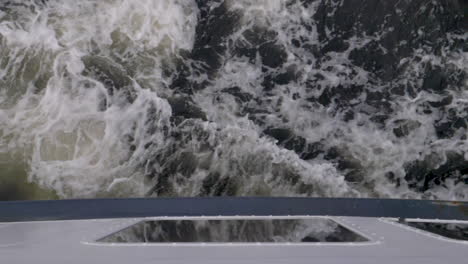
75,242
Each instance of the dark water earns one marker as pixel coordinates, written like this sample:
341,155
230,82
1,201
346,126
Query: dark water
334,98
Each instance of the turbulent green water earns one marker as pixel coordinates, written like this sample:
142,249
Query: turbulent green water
123,98
14,183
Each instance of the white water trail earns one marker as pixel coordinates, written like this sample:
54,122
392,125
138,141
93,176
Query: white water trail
81,139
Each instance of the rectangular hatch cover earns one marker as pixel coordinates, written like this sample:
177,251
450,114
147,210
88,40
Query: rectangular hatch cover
457,231
235,231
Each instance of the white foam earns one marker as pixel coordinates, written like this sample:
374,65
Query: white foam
78,150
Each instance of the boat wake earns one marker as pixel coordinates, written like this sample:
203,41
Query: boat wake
330,98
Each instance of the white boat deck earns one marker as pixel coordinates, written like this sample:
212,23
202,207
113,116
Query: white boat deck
74,241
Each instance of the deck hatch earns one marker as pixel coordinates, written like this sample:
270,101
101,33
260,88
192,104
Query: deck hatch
235,231
458,231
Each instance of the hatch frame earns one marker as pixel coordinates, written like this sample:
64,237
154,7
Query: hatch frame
129,223
399,223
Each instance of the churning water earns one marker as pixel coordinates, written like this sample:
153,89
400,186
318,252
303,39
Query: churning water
336,98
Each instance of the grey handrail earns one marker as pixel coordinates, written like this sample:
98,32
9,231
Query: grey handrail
11,211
